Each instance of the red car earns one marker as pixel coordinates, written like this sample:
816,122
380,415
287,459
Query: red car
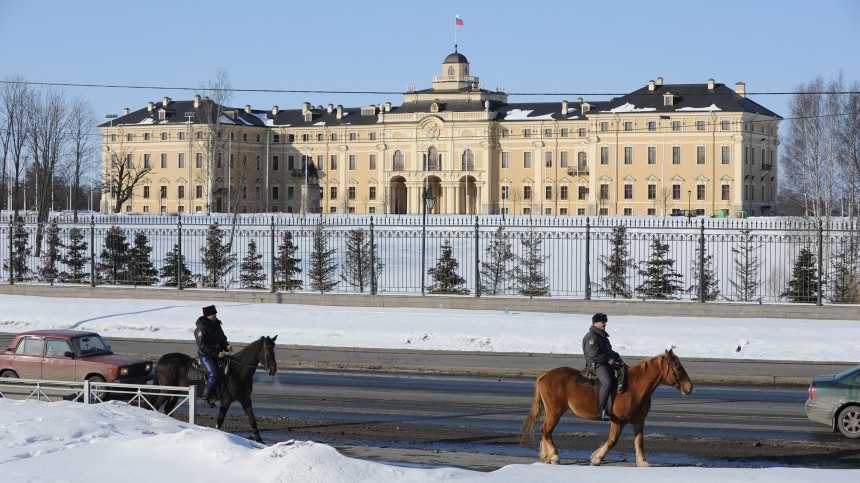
70,355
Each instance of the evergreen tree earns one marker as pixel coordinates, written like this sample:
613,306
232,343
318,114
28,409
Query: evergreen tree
173,266
708,277
140,266
444,275
216,258
660,279
52,255
496,271
803,286
17,263
322,265
251,270
529,275
616,264
76,258
356,269
845,282
286,265
112,267
747,265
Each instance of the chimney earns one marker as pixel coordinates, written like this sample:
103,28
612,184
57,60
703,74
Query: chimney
125,112
329,108
710,84
165,101
387,107
196,101
247,108
306,106
579,100
741,89
339,113
564,108
274,110
650,85
150,106
659,82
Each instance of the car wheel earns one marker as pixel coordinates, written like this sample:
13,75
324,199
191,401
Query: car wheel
98,395
9,374
848,422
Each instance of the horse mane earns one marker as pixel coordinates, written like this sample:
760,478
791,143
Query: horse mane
646,362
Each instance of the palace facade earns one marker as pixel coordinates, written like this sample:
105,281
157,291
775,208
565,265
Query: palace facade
661,149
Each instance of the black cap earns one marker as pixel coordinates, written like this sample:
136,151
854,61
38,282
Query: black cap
209,310
599,317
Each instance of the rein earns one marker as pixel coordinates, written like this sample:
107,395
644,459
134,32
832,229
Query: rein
264,362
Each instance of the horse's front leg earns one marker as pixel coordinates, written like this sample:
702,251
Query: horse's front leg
222,413
639,443
611,441
249,412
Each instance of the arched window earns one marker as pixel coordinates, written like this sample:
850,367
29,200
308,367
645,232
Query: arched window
397,164
432,160
467,162
582,161
451,71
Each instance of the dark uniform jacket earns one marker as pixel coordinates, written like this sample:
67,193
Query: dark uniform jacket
596,347
210,337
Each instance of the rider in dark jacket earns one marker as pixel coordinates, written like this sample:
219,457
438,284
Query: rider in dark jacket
598,352
211,346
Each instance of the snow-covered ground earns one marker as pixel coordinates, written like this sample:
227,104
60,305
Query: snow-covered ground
56,442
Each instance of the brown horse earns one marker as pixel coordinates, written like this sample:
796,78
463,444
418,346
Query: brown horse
556,390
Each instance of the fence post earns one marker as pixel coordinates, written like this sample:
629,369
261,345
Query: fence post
587,258
477,262
92,251
272,257
372,261
11,266
702,278
820,261
179,254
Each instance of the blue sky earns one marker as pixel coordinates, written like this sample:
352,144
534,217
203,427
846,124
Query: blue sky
573,48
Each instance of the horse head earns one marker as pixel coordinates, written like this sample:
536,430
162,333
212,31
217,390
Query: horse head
267,354
676,376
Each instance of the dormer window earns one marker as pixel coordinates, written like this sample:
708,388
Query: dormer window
309,116
668,99
434,107
161,115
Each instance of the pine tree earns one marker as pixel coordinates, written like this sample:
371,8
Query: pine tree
496,271
286,265
216,258
140,266
322,265
174,265
52,256
709,278
803,286
17,263
529,275
444,275
660,279
845,282
76,258
112,268
356,269
616,264
747,265
251,270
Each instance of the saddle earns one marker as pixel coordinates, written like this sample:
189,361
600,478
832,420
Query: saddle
197,372
588,377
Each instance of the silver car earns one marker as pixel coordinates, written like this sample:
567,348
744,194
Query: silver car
835,401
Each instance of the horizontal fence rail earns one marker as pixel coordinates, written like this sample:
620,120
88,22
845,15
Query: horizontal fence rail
672,258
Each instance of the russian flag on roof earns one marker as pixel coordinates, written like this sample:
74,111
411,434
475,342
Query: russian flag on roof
458,21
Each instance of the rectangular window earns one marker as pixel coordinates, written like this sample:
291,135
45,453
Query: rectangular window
582,193
726,153
725,125
181,135
276,162
676,154
291,162
353,136
652,191
652,126
146,160
258,162
628,126
505,159
371,136
676,192
181,193
527,192
352,162
527,133
628,192
181,160
332,193
700,192
198,161
563,159
218,160
563,193
628,155
547,133
146,136
652,211
548,159
350,192
676,125
582,132
652,155
700,125
604,126
372,193
628,211
565,132
164,136
333,162
163,192
604,191
527,159
504,192
725,192
129,161
163,160
548,192
291,192
198,191
604,155
319,136
146,192
372,161
700,155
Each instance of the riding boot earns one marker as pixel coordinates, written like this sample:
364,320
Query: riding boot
604,414
206,398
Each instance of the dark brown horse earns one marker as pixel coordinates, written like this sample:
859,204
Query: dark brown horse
173,370
556,390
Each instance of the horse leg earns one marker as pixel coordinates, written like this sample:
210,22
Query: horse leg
614,434
222,413
548,450
639,443
249,412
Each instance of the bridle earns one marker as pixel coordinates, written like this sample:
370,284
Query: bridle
677,384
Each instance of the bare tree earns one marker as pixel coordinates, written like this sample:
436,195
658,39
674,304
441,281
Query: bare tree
48,131
122,174
216,94
16,103
83,147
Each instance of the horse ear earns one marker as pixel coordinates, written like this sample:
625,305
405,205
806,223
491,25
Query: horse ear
274,338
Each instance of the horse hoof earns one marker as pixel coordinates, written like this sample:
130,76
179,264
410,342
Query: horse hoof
554,460
643,464
596,462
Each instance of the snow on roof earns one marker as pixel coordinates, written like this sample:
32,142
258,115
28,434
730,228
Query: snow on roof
631,108
321,123
522,114
712,107
147,120
263,117
225,120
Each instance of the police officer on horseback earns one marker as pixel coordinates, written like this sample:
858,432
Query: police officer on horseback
211,345
600,357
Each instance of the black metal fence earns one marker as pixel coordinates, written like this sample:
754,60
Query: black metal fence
705,259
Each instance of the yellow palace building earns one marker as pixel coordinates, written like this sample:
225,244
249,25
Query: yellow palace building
661,149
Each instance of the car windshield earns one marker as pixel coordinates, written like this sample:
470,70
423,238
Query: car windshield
90,345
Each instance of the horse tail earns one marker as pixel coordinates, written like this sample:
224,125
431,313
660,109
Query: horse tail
535,412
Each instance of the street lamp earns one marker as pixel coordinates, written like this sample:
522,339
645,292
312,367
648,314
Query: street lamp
189,115
110,160
689,209
428,202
